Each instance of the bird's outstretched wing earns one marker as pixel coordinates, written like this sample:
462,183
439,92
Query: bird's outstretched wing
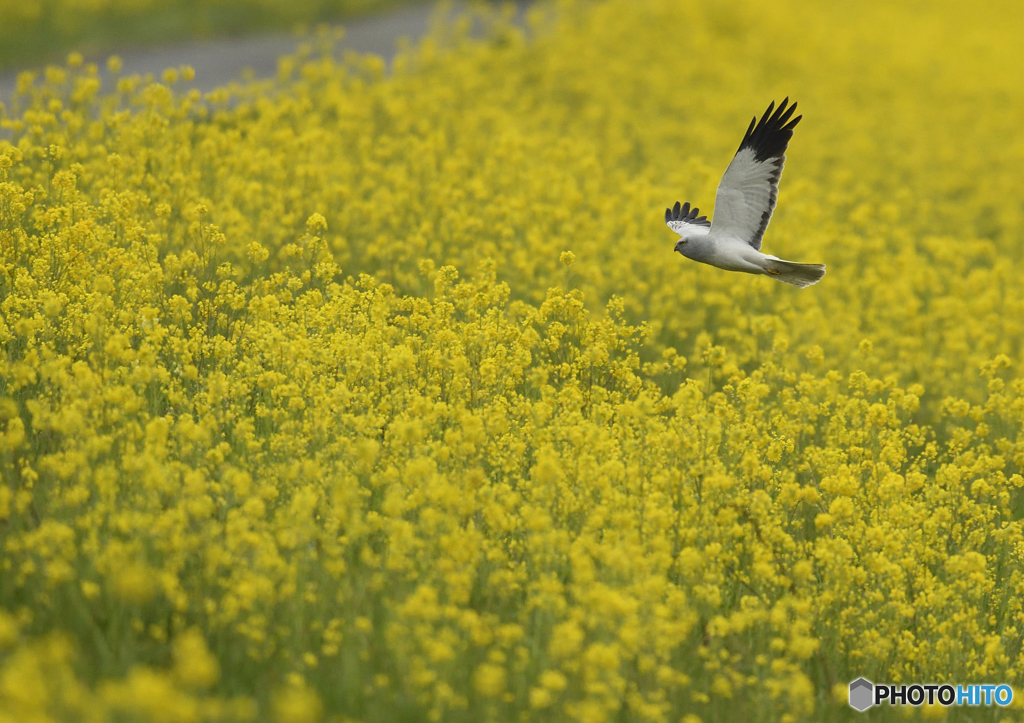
684,220
748,190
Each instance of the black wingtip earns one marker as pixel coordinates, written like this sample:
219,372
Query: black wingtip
686,213
769,137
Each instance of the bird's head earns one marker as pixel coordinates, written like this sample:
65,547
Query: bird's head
680,244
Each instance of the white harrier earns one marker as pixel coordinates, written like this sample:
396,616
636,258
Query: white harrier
743,207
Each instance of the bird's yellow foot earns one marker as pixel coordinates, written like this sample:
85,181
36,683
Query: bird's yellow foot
773,272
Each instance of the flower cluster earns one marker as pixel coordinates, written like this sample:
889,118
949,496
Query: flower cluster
356,395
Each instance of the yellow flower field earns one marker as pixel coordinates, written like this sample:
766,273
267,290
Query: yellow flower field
380,396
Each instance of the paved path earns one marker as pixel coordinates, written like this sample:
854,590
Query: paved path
219,61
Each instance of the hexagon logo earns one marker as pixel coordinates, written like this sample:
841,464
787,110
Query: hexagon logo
861,694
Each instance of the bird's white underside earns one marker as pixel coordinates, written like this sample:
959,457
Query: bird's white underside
745,192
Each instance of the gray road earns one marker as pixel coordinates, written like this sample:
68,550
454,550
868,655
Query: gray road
218,62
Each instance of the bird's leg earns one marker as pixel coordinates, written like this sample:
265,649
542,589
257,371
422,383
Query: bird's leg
773,272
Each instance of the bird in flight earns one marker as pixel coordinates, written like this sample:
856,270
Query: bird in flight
743,207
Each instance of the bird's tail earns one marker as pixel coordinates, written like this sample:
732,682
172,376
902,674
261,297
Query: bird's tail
790,272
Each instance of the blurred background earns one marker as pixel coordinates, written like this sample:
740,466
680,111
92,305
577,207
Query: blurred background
33,32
